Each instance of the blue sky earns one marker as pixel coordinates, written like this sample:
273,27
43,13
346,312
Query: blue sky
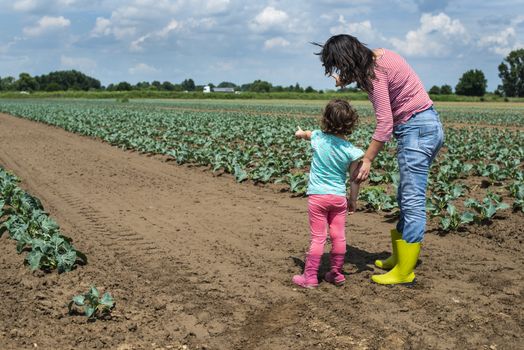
240,41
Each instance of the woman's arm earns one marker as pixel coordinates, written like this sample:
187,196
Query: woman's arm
303,134
380,99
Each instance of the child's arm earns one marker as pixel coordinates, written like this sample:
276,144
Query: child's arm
353,189
301,134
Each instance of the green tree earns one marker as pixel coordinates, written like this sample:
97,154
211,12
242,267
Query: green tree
435,90
123,86
166,85
446,90
142,85
227,84
260,86
188,85
7,84
157,85
53,86
309,89
472,83
26,82
511,72
67,80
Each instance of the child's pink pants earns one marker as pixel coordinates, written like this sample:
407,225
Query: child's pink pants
327,210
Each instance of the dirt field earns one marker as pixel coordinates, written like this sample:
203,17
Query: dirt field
201,262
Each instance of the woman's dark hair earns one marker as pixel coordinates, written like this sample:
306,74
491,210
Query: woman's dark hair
353,61
339,118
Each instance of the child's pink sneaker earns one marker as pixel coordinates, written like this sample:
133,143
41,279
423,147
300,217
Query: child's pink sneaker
309,278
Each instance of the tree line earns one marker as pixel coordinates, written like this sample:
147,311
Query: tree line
471,83
474,83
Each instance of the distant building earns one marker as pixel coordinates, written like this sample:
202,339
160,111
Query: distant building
207,89
227,89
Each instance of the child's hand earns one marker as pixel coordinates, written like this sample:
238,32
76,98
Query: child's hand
303,134
299,133
352,206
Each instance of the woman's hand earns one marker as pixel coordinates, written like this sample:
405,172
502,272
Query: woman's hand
338,83
361,173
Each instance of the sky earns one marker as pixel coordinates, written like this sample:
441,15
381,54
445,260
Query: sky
212,41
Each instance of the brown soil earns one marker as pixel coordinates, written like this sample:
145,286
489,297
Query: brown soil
202,262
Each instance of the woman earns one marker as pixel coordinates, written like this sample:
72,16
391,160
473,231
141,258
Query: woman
403,109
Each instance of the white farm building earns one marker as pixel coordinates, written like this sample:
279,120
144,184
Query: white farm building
208,89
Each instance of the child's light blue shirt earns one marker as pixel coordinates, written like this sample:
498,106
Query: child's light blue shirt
331,158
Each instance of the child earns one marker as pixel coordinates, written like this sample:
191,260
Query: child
333,154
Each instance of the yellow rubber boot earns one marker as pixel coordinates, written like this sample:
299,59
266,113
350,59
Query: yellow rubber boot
407,255
390,262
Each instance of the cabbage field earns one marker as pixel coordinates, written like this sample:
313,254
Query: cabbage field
478,173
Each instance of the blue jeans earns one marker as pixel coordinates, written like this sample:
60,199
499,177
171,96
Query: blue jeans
419,141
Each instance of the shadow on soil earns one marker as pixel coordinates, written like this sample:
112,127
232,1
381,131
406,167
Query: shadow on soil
361,259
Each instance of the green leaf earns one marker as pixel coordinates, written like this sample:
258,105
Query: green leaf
93,292
66,261
107,300
470,202
240,173
90,311
445,223
502,206
79,300
49,225
467,217
490,210
452,210
34,258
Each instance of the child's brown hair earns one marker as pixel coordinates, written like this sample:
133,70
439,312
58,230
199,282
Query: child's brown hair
339,118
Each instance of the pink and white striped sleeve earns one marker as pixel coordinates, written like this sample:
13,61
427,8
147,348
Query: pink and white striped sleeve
382,106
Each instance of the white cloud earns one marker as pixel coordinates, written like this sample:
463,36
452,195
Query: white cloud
38,5
517,20
136,45
269,18
133,17
46,24
275,42
102,27
173,25
142,68
224,66
80,63
202,23
66,2
105,27
25,5
364,30
215,6
436,36
501,43
4,48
